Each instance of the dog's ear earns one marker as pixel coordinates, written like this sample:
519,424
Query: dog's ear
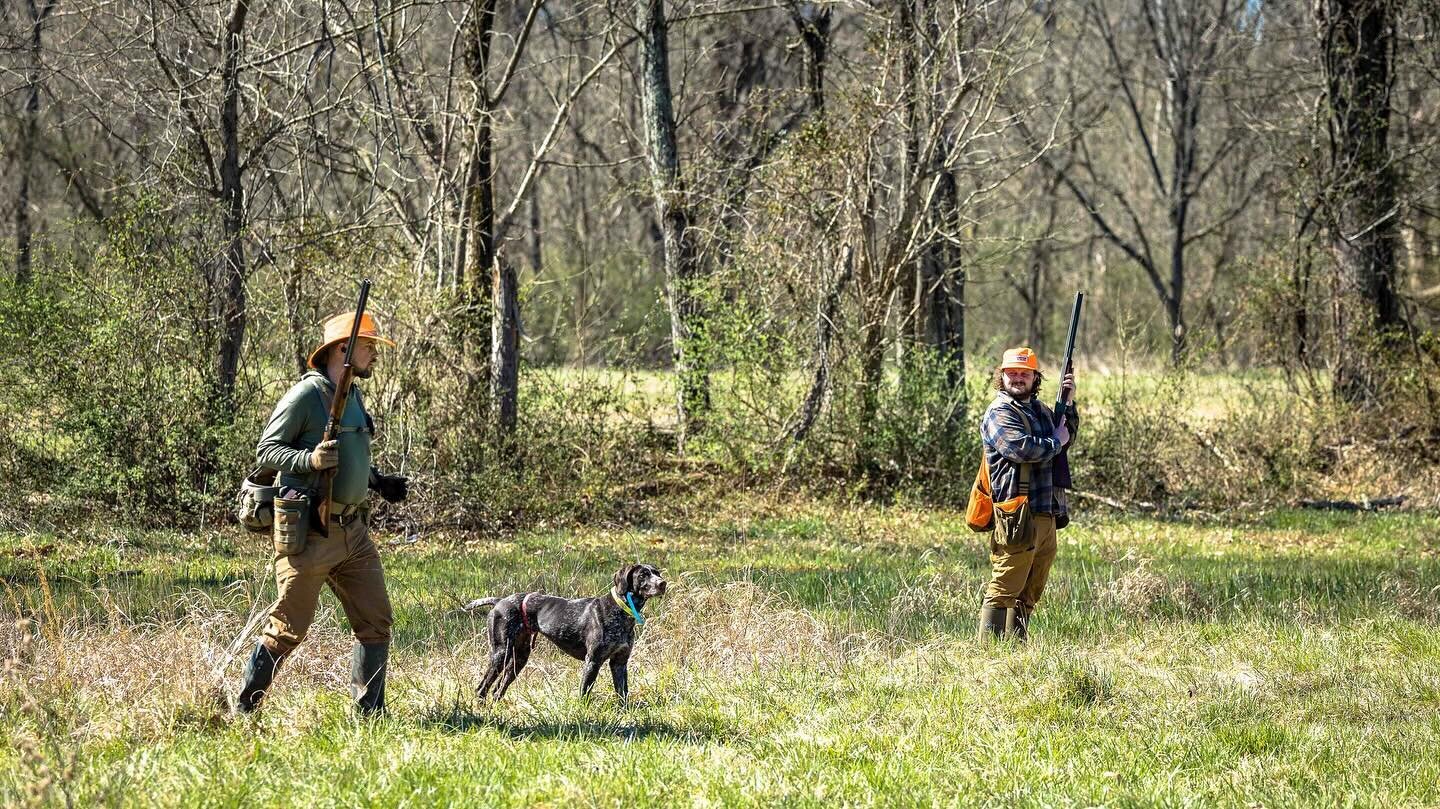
622,578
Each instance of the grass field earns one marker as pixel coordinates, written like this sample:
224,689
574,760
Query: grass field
807,654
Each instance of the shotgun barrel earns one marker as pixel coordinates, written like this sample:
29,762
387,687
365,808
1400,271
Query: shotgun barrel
1069,364
337,411
1061,469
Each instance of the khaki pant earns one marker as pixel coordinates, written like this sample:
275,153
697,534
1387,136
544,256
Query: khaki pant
348,562
1019,571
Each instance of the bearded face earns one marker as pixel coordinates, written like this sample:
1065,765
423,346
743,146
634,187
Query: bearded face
362,363
1020,383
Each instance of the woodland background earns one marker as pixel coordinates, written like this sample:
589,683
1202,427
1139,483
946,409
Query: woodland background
628,248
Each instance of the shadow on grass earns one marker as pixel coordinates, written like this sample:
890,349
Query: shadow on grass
468,720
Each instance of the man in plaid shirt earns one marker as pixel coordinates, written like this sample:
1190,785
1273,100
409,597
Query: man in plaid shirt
1018,429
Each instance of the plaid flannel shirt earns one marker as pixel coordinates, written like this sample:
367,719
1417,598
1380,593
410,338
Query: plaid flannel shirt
1017,432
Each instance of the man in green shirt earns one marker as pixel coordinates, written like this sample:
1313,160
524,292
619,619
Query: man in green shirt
346,559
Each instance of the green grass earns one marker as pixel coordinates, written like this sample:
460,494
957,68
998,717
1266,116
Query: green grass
807,655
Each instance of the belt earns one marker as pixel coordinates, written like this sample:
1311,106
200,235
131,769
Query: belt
345,513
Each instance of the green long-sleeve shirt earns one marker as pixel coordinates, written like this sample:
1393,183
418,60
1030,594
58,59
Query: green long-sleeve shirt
298,424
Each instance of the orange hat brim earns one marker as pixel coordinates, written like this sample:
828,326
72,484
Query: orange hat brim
315,355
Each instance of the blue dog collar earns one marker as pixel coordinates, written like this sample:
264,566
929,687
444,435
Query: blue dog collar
628,605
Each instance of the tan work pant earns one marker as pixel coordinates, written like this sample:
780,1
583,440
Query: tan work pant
1018,572
348,562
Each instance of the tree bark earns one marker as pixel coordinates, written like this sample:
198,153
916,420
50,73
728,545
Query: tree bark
940,308
1357,38
505,346
943,271
228,280
293,295
824,334
29,132
475,249
537,245
908,328
1184,135
683,276
814,26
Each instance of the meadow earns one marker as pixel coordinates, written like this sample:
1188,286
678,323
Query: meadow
809,653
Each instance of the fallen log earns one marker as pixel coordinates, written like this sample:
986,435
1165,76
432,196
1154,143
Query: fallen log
1138,505
1364,504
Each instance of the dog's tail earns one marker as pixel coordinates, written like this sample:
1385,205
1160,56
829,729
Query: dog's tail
481,603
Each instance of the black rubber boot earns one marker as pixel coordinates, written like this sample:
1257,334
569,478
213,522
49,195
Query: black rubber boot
992,622
259,672
367,677
1017,623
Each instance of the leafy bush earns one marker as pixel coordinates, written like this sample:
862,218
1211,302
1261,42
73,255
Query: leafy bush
108,365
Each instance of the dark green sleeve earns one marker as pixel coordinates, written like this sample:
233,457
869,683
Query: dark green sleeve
277,449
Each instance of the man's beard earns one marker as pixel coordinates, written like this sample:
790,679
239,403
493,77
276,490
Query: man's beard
1017,392
363,373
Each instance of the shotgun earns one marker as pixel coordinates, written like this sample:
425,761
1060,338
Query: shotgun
337,411
1061,469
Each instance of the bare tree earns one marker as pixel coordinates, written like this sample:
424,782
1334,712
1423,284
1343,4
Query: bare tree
29,133
228,280
684,278
1357,38
940,288
1185,46
813,22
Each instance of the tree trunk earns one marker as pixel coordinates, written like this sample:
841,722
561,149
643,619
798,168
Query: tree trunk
1185,106
908,327
943,305
29,131
814,26
1300,317
683,277
294,292
228,280
505,346
872,376
939,293
537,251
475,250
1357,39
824,334
1041,267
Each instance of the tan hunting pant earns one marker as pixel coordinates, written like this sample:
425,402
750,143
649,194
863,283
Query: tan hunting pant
347,561
1018,572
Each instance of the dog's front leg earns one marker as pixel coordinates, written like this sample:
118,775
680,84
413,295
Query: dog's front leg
621,675
588,673
497,663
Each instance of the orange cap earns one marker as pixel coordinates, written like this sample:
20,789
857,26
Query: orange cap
337,330
1022,358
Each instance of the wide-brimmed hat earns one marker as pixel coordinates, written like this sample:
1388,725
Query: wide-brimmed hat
1022,359
337,330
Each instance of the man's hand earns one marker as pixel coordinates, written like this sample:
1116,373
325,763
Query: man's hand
394,488
1067,388
1062,434
326,455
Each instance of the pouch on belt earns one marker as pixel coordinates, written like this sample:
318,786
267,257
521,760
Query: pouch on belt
292,521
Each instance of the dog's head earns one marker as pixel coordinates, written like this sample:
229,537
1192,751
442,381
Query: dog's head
642,580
